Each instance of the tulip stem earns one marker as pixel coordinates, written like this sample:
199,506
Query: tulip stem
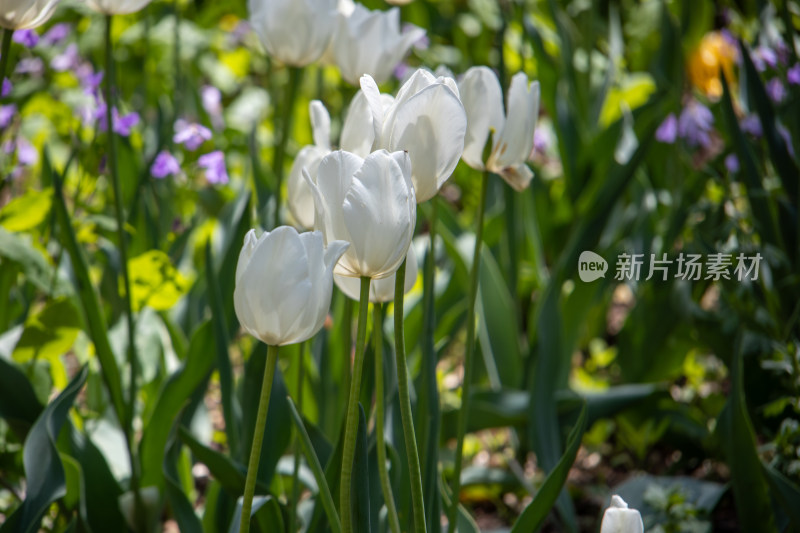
351,426
415,474
296,472
5,50
258,438
133,360
469,356
380,439
295,74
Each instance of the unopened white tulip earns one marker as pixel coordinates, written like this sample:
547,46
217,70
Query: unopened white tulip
513,129
380,290
284,282
295,32
618,518
25,14
300,199
370,204
117,7
426,119
370,42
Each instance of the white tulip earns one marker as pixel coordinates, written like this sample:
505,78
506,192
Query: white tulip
513,130
117,7
296,32
25,14
370,42
300,199
426,119
284,282
380,290
618,518
369,203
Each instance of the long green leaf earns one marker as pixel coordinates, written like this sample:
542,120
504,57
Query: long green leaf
360,482
18,403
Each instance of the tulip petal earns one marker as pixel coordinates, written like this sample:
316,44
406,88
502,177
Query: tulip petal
430,126
373,96
358,132
518,176
516,139
320,124
246,253
482,97
300,198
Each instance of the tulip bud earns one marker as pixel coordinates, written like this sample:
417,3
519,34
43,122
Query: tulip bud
300,200
25,14
369,203
284,282
618,518
513,139
295,32
380,290
117,7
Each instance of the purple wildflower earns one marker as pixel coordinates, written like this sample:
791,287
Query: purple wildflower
26,153
668,130
751,125
695,124
30,65
122,124
27,38
793,74
764,57
165,165
66,60
541,141
5,90
776,90
732,163
56,34
191,135
787,138
214,165
212,103
90,80
7,113
402,71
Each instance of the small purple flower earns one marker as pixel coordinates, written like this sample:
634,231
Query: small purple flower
541,141
732,163
212,103
695,124
793,75
7,113
214,165
764,57
33,66
90,80
668,130
776,90
191,135
402,71
66,60
787,138
27,38
123,124
5,90
165,165
56,34
751,125
26,153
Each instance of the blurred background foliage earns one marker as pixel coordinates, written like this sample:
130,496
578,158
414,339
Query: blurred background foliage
691,387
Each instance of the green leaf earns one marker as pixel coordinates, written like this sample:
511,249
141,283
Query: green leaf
155,282
785,492
19,249
535,513
174,395
27,211
360,482
46,481
230,475
266,511
176,495
19,405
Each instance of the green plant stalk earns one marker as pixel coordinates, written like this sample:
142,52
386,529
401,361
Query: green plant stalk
133,360
351,426
469,356
295,75
5,50
296,470
415,473
388,496
258,438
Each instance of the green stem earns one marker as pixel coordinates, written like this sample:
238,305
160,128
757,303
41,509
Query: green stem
133,361
296,471
295,74
469,356
5,50
258,438
388,496
351,425
415,472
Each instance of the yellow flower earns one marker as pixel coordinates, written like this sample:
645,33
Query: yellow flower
712,54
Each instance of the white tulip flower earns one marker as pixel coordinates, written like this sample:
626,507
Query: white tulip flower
117,7
426,119
369,203
300,200
380,290
25,14
513,130
284,282
370,42
618,518
296,32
